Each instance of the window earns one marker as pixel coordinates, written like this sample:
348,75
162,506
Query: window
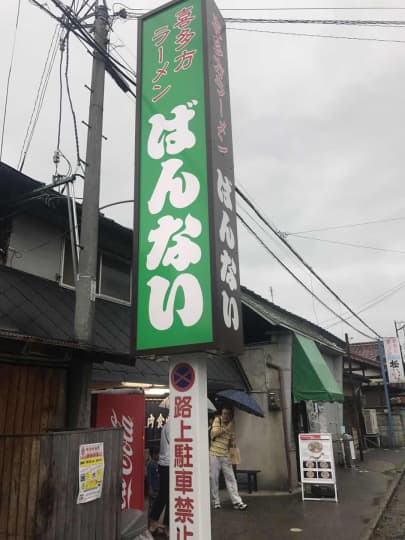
115,278
67,265
113,275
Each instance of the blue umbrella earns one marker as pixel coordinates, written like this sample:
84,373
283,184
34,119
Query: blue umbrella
242,401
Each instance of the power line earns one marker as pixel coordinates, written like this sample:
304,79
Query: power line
369,8
334,22
347,244
298,279
284,241
57,154
371,303
9,77
39,99
340,8
72,23
78,158
335,227
301,34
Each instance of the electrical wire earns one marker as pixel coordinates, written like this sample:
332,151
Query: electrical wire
336,227
40,96
299,257
374,248
76,27
72,23
58,152
371,303
334,22
328,36
78,158
9,78
369,8
324,304
365,8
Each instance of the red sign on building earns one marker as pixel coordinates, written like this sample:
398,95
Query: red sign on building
128,412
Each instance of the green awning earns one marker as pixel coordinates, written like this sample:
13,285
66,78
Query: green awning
312,378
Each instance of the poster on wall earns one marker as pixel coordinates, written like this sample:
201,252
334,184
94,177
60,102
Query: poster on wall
127,411
186,268
91,472
317,466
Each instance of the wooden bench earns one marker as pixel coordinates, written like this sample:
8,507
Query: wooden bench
251,478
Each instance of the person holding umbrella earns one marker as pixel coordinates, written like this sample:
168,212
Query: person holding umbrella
222,438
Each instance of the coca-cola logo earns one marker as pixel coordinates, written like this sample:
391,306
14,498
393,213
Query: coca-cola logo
127,424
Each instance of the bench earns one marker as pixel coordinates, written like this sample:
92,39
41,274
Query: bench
251,478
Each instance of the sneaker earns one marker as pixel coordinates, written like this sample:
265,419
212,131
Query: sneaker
217,506
240,506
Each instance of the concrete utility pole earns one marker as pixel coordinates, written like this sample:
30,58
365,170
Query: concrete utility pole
381,355
399,325
86,279
79,410
354,399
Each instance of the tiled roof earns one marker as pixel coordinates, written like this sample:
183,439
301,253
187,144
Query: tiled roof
33,306
367,351
278,316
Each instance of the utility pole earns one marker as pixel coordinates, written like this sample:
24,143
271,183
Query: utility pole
399,325
381,355
86,278
354,399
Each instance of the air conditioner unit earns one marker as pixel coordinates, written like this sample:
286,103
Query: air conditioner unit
370,420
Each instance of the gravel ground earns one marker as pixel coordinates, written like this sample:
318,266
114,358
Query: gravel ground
392,523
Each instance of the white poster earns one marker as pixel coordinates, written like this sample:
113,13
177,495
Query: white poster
393,360
317,463
91,472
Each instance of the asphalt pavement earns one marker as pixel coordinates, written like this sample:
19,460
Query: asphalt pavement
363,493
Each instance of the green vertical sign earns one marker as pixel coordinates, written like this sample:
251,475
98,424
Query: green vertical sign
173,284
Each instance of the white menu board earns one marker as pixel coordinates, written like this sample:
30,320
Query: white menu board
317,466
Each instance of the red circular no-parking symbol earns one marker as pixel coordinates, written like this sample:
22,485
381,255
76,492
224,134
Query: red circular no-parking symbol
182,377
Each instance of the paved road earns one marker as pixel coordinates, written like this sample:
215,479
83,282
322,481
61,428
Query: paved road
392,523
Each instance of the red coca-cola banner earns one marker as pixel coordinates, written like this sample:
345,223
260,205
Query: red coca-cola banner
128,412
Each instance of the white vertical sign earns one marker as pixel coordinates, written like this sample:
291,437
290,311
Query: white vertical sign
393,360
190,516
317,463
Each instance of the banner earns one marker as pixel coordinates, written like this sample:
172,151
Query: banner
393,359
186,268
127,411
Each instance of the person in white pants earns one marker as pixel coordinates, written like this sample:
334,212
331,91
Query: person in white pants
222,437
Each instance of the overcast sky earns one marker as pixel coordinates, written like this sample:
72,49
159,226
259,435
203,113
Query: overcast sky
318,130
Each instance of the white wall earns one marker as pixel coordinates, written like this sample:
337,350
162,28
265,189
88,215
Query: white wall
334,411
35,247
261,440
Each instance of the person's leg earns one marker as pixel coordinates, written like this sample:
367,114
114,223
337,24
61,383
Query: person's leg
230,481
214,480
162,500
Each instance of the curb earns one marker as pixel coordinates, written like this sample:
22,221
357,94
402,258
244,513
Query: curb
372,525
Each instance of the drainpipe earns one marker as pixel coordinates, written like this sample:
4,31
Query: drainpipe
285,425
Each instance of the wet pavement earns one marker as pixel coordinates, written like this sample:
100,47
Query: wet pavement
363,493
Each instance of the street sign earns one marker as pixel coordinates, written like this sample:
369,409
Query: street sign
189,466
186,268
